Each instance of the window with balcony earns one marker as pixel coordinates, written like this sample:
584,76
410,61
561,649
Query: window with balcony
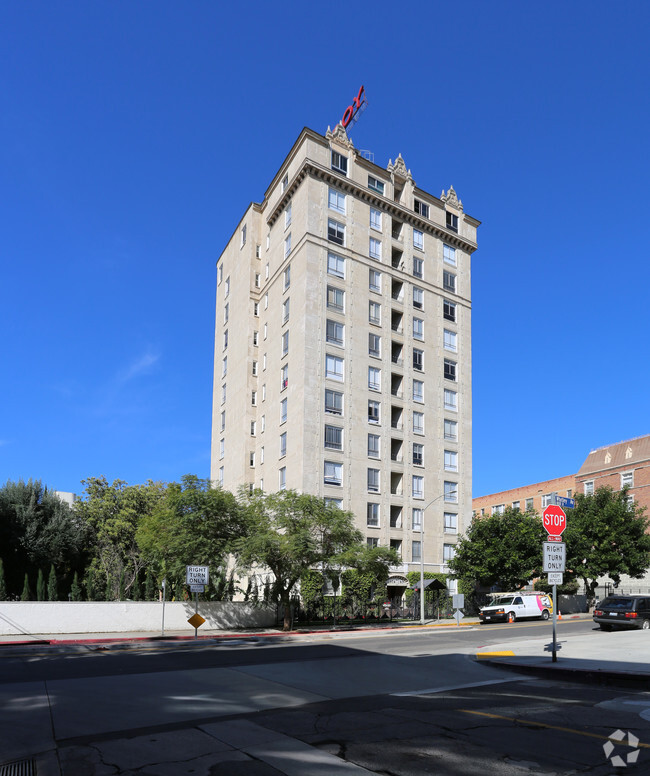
333,402
418,298
418,391
374,345
374,378
375,219
451,430
336,200
335,231
335,299
450,490
373,480
373,411
449,255
451,400
418,240
373,445
418,454
416,519
333,438
418,267
374,280
417,486
418,422
375,249
335,265
287,216
284,377
450,340
285,345
287,277
333,474
451,461
283,411
449,281
372,516
283,444
334,332
418,359
418,329
287,245
374,312
333,367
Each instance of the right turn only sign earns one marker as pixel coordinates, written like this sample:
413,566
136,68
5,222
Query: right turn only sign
554,556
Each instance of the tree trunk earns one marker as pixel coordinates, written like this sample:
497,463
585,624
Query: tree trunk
285,600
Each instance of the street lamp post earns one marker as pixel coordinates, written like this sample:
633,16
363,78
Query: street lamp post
437,498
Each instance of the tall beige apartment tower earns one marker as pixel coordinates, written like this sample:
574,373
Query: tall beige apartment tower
342,360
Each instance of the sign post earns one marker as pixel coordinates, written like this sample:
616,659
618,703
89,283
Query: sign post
554,519
197,578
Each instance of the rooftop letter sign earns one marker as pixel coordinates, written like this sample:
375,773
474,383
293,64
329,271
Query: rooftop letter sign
352,111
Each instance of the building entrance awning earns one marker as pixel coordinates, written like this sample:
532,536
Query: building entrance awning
430,584
397,581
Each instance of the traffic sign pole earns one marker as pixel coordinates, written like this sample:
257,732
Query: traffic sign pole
554,659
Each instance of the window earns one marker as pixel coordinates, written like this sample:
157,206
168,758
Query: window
498,509
451,430
336,201
421,208
372,516
223,420
333,367
450,340
448,552
262,423
287,277
285,182
283,444
219,274
451,492
224,366
547,500
374,312
251,459
448,310
333,502
373,411
589,488
223,393
282,483
333,473
333,402
256,308
418,359
416,521
373,446
335,265
256,338
375,249
452,222
418,267
286,306
226,288
374,280
334,332
450,370
449,281
243,235
375,185
266,272
254,368
339,162
451,400
222,448
226,312
417,486
283,411
418,391
516,505
221,476
253,427
396,544
333,438
529,504
254,398
418,298
287,216
627,480
418,454
373,480
449,255
372,542
285,344
375,219
418,422
257,280
262,454
374,345
418,239
416,551
374,378
418,329
335,298
451,461
335,231
287,245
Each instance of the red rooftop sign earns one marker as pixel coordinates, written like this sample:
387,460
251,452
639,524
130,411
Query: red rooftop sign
352,111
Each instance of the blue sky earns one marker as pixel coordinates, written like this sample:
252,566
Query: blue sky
134,135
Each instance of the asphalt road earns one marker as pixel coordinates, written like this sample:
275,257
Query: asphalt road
395,703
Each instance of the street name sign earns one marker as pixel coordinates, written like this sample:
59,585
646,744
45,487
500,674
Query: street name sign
554,556
565,502
197,575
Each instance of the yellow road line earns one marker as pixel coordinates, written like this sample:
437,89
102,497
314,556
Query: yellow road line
548,727
506,653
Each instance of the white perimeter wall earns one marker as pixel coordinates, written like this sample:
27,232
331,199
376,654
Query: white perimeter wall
42,618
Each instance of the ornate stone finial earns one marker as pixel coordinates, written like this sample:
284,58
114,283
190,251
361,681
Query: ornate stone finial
608,457
340,135
399,168
628,453
451,199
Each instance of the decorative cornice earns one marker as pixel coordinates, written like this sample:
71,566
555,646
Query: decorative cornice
398,170
340,136
451,199
327,175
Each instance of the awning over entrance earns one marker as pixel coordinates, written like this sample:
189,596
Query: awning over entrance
396,581
430,584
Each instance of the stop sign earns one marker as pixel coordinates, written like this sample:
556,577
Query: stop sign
554,519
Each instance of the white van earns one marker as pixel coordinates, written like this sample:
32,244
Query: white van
508,607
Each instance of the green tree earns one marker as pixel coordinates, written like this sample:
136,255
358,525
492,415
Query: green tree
290,533
112,514
3,586
503,550
52,585
75,589
193,524
37,528
41,590
26,595
606,535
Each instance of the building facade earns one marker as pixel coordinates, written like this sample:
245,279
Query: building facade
342,360
528,497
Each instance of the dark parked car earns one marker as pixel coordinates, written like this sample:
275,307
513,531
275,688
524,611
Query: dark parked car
623,611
